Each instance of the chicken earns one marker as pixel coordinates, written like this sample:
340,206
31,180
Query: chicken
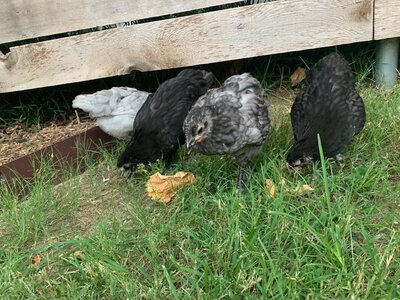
114,109
330,106
157,129
232,119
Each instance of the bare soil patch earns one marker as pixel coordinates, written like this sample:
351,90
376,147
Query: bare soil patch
19,140
99,195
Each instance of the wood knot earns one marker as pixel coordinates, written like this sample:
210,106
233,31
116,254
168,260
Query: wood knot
362,12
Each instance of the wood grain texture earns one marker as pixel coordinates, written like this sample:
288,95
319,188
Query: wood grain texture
256,30
387,19
22,19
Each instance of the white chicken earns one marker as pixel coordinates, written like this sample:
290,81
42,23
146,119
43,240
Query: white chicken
114,109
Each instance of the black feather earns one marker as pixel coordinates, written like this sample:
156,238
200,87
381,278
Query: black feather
329,105
157,129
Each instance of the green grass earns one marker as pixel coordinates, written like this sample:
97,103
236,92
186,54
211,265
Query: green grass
340,241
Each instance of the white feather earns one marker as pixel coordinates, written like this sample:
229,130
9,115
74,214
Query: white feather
114,109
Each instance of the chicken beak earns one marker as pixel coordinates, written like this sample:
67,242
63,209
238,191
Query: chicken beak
199,138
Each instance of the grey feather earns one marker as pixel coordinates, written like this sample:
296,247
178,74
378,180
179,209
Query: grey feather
114,109
232,119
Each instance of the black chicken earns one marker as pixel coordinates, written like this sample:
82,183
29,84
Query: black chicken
157,129
330,106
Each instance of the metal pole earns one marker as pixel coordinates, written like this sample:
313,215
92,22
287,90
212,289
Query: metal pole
387,58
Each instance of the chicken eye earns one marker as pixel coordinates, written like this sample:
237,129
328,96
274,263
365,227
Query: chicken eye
200,130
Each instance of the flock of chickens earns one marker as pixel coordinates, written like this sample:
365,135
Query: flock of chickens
231,119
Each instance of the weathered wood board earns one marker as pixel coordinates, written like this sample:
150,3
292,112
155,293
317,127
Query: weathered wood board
387,19
22,19
248,31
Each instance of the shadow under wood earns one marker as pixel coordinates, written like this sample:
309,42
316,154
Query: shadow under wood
63,155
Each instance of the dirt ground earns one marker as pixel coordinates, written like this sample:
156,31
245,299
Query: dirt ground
19,140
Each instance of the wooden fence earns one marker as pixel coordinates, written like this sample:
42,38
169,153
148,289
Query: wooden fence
212,31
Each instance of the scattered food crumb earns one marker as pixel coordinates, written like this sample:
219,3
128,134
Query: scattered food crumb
78,254
36,260
298,76
162,187
270,187
300,190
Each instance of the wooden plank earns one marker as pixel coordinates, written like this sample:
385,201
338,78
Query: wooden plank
387,19
248,31
22,19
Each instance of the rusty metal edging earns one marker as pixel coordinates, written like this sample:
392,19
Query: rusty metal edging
62,153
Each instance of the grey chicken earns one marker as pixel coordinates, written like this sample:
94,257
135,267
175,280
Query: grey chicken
114,109
232,119
157,129
328,105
